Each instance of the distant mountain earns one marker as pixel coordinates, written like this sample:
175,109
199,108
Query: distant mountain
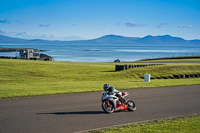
115,39
6,39
109,39
166,39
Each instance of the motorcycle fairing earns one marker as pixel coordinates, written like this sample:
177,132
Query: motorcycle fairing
124,107
111,98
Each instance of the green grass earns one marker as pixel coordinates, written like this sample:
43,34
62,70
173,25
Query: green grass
165,70
188,124
20,78
197,59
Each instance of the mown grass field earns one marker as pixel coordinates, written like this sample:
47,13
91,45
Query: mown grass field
20,78
197,59
188,124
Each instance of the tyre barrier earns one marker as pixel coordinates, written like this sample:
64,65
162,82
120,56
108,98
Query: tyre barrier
177,76
126,67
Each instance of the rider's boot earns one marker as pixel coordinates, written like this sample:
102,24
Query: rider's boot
122,100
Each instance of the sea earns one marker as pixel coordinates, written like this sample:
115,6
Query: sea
106,52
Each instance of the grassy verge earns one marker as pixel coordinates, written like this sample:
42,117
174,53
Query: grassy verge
20,78
188,124
160,60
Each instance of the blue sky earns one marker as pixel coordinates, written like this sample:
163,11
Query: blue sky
88,19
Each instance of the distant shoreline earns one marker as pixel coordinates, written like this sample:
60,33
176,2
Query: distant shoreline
14,49
91,52
139,61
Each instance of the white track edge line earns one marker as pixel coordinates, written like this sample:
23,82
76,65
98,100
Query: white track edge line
176,116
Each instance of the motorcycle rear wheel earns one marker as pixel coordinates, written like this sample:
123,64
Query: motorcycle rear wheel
131,105
108,109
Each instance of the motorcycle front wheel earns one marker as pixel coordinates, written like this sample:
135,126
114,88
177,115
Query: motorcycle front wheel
108,107
131,105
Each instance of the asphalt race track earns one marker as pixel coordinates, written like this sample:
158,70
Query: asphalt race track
82,111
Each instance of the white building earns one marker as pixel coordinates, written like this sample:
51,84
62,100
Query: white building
30,54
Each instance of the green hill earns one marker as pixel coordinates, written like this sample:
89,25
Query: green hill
21,78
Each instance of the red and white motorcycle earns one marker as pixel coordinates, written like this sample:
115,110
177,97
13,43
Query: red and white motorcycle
111,103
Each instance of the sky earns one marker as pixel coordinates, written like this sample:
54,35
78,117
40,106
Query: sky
89,19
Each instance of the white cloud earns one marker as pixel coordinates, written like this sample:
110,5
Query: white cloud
185,26
130,24
4,21
163,25
27,35
44,25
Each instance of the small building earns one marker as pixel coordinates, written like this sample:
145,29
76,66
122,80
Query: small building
117,60
46,57
34,54
29,54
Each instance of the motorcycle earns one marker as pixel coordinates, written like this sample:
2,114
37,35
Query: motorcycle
111,103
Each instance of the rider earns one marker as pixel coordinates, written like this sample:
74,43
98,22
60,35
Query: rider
112,91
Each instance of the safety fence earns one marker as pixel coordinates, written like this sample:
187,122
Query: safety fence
125,67
177,76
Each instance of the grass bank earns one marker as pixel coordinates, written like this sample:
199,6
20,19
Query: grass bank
188,124
180,58
160,60
20,78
